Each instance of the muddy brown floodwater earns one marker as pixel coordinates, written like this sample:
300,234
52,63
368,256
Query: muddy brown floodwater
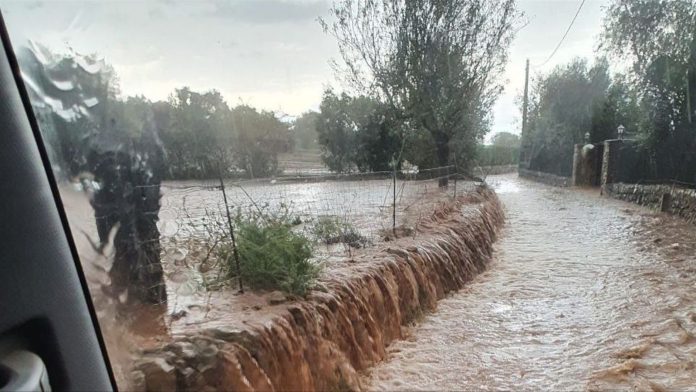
584,293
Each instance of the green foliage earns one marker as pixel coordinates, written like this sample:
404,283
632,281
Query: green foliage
620,107
420,148
260,136
435,63
658,38
272,256
643,31
495,155
561,112
336,127
506,139
378,140
357,133
332,230
654,100
327,228
203,136
196,134
304,131
504,150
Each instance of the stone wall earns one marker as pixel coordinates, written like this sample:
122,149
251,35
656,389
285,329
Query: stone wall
675,200
546,178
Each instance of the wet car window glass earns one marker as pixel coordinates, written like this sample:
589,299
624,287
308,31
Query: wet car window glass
344,194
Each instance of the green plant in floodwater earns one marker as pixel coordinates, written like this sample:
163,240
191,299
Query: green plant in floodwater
271,255
326,229
332,230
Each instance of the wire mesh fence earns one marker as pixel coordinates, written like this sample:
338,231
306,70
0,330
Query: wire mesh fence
339,214
373,205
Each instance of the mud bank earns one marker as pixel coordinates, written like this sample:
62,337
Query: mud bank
321,343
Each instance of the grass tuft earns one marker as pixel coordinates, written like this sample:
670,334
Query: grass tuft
331,230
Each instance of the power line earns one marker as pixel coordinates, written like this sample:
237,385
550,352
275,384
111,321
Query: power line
564,36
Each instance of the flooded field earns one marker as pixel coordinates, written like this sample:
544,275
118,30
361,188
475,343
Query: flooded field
365,204
584,292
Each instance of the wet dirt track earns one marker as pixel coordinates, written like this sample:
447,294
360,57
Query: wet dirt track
584,293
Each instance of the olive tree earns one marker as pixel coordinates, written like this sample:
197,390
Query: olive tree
436,63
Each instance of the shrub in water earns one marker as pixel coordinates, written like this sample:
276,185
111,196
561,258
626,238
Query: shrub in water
272,256
327,229
331,230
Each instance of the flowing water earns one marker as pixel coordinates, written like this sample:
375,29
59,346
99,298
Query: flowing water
584,292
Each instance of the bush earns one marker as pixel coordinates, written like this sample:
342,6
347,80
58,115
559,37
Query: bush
331,230
497,155
271,255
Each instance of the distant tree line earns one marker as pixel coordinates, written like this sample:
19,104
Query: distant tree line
356,133
362,134
564,105
653,100
503,150
78,103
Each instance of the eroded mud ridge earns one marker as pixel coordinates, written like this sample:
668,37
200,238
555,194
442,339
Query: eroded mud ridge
323,342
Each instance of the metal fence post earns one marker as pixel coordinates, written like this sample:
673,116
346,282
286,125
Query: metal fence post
235,253
394,203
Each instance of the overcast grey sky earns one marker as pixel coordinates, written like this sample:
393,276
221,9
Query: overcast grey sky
271,54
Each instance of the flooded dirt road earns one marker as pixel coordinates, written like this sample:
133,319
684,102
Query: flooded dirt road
584,293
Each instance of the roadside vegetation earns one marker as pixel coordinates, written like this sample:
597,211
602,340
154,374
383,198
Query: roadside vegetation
653,98
503,150
333,230
272,254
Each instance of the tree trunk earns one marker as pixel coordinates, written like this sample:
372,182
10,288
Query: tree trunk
442,144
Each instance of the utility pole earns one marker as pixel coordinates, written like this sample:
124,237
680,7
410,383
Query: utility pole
688,96
235,252
525,103
394,203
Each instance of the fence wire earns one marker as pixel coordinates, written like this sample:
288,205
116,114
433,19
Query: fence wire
194,229
373,204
